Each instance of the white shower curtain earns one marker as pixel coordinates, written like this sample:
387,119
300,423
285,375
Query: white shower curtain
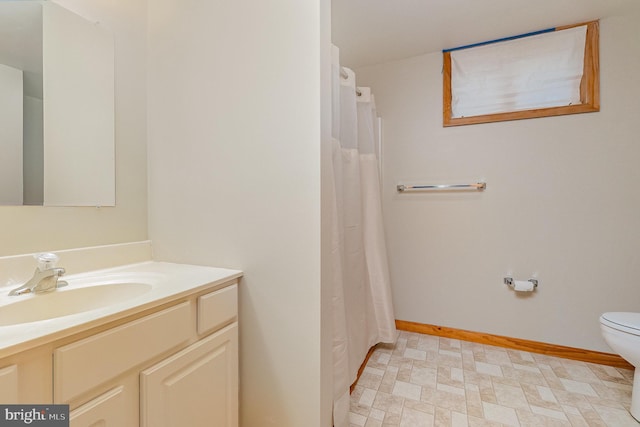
362,306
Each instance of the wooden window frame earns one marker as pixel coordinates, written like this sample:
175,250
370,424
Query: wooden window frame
589,88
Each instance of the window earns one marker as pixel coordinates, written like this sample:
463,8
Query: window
547,73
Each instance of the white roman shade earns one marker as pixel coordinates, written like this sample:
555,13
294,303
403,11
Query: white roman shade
532,72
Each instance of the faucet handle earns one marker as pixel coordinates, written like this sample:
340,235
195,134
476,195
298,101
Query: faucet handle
46,260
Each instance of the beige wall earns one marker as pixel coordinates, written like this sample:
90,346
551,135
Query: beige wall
234,157
36,228
562,202
11,135
33,150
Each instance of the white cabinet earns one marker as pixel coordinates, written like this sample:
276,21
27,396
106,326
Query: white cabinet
107,410
197,387
9,384
171,365
216,309
26,378
115,351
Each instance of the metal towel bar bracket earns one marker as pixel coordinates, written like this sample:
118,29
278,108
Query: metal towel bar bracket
477,186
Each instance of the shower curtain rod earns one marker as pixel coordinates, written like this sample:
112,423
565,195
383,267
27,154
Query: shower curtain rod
345,76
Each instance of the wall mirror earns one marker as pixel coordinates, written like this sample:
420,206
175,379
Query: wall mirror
56,107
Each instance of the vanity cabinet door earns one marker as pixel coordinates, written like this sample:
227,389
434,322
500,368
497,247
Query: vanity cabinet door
111,409
197,387
9,385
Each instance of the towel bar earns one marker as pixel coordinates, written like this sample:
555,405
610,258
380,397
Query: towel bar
477,186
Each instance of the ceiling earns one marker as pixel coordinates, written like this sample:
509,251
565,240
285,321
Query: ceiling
374,31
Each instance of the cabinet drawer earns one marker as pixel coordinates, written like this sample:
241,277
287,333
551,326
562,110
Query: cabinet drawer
217,309
87,363
109,409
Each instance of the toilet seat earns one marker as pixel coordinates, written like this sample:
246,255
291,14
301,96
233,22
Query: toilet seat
622,321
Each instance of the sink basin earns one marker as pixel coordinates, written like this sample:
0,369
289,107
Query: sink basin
67,301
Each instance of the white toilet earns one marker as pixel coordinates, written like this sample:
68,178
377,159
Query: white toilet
622,332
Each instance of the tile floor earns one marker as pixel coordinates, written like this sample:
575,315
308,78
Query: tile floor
426,381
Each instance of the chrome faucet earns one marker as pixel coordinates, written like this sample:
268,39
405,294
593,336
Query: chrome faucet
45,278
42,281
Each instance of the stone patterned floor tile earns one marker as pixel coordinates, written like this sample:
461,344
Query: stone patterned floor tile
424,381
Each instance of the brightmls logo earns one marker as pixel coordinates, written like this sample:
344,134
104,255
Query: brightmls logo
34,415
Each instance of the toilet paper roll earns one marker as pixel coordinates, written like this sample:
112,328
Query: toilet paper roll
522,286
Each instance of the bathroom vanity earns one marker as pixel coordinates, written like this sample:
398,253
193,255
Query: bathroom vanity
162,355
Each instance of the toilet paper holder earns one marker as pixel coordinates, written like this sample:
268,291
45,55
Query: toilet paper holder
509,282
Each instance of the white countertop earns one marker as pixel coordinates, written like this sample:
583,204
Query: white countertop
168,282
